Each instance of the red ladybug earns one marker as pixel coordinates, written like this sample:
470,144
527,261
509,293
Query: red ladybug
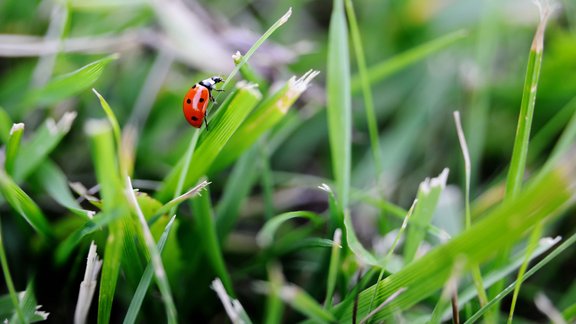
196,100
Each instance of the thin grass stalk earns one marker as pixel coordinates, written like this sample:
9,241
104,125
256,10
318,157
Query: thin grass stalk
476,273
8,279
155,257
366,90
333,268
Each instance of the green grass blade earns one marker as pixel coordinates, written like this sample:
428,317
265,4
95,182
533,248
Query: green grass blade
565,141
9,283
12,147
6,125
99,221
339,102
237,188
501,227
366,90
355,245
551,256
140,293
268,113
24,205
303,303
265,236
494,275
385,69
333,268
36,150
69,84
428,196
54,182
204,216
223,127
476,274
274,306
104,156
116,130
520,151
256,45
155,258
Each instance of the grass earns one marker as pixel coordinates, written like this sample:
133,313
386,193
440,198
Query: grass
327,188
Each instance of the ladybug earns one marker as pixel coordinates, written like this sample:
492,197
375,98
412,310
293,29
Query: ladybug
196,101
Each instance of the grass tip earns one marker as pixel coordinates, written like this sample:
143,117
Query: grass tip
16,127
440,181
286,16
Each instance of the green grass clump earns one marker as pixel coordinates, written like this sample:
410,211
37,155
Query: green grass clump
335,183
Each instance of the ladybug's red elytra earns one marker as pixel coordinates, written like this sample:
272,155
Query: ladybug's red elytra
196,101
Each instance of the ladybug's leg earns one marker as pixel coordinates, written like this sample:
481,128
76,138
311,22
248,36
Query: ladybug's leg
206,121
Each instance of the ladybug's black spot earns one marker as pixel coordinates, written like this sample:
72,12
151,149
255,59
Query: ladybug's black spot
201,99
188,101
194,87
194,118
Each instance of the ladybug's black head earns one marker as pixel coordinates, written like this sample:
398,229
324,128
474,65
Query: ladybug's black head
217,79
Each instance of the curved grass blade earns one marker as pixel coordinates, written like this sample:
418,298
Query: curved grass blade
140,293
35,151
265,236
12,147
69,84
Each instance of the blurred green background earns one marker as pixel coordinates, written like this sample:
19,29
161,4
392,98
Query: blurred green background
165,47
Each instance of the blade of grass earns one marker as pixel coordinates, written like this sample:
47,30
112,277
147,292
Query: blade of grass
140,293
8,280
235,192
366,90
12,147
333,268
203,214
54,182
24,205
300,301
36,150
339,102
234,111
520,150
501,227
428,195
469,292
385,69
105,164
268,113
69,84
155,258
476,274
265,236
274,307
6,125
551,256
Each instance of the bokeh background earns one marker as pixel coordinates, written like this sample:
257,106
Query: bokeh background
164,47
